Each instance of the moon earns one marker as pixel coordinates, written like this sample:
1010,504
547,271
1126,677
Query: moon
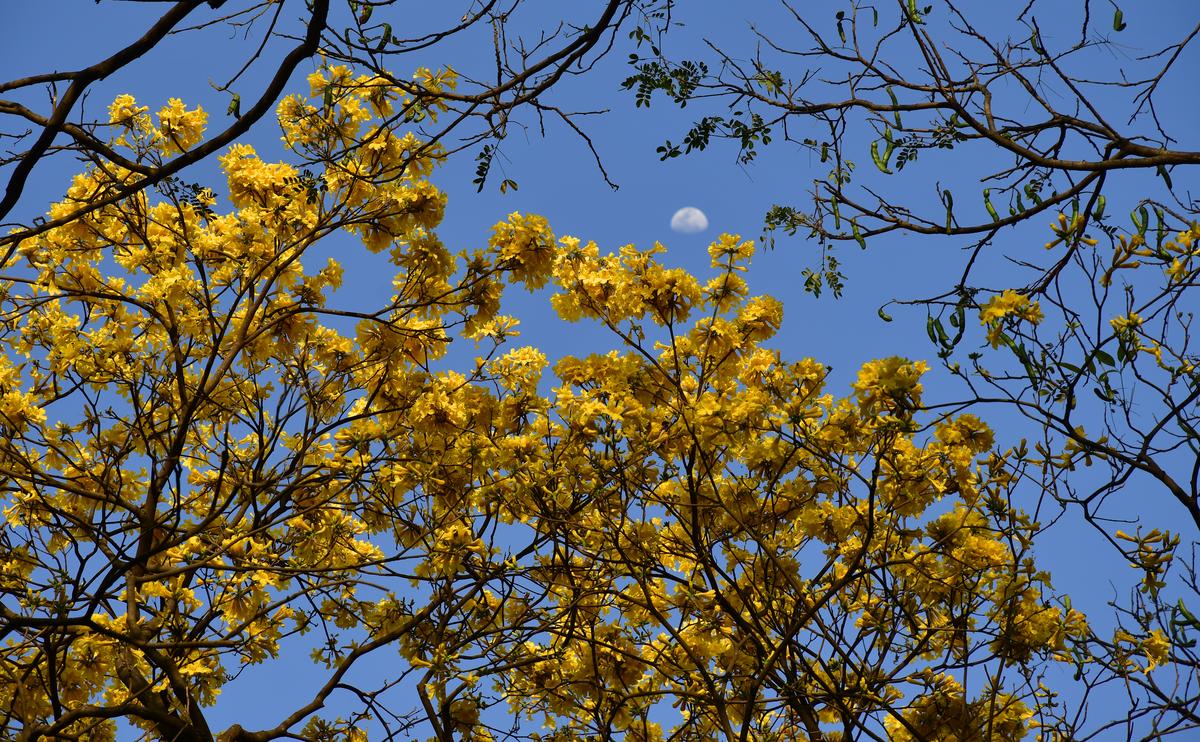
689,220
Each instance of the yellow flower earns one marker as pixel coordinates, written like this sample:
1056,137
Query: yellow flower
1126,323
1157,648
1010,303
1064,229
19,410
730,248
525,245
125,110
671,293
180,128
1186,238
761,317
520,368
1177,271
1007,304
890,383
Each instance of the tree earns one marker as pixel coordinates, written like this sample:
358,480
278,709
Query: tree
1051,116
281,36
212,457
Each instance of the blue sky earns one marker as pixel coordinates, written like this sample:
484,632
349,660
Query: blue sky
558,179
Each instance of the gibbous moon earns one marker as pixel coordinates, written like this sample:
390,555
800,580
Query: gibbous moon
689,220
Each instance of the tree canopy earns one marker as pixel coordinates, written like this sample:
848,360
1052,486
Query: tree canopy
217,454
202,467
1043,113
46,113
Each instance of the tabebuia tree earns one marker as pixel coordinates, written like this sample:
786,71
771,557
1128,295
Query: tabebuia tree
1054,145
215,457
248,50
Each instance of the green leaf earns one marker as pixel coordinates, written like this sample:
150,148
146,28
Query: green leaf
483,164
1119,23
1104,358
1099,212
884,315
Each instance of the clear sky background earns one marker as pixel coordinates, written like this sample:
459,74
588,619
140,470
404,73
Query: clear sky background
558,179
